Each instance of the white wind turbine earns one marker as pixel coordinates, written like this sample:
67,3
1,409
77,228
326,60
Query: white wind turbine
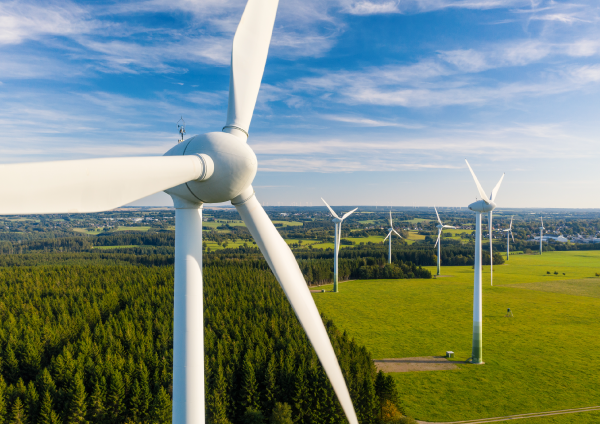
541,233
337,237
481,206
438,243
509,233
209,168
391,230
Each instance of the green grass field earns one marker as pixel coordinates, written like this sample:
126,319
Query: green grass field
547,357
96,232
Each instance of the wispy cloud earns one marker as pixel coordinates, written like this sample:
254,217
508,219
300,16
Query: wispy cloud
367,122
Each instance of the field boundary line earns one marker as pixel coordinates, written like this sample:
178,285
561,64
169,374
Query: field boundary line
518,416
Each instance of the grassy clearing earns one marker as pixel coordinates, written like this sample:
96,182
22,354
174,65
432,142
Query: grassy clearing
98,231
288,223
545,358
365,240
589,287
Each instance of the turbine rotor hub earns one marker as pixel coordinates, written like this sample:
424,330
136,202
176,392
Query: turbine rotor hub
482,207
235,167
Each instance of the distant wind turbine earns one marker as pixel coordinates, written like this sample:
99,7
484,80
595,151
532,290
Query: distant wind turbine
440,228
508,232
541,233
391,230
481,206
338,233
491,230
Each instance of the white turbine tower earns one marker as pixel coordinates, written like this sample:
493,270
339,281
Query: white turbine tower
541,233
209,168
509,233
481,206
337,238
438,243
391,230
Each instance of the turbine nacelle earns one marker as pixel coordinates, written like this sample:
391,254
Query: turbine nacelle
235,167
337,220
482,207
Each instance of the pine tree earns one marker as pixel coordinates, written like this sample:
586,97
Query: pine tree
32,402
250,398
96,409
217,398
116,397
161,410
11,365
46,383
47,414
3,406
18,415
282,414
270,385
77,405
301,393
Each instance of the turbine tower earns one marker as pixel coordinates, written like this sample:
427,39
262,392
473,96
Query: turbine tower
509,232
484,205
337,236
391,230
209,168
438,243
541,233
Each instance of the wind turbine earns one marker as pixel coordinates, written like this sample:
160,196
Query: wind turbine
209,168
481,206
391,230
337,236
438,243
491,229
541,233
508,232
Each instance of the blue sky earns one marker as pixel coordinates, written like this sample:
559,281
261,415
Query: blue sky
362,102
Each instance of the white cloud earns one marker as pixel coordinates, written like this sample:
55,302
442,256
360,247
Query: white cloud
20,21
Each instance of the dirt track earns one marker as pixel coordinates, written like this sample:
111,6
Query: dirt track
518,417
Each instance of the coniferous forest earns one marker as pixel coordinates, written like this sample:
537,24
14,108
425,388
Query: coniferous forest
90,340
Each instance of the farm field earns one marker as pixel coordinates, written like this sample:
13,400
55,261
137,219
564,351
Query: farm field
95,232
547,357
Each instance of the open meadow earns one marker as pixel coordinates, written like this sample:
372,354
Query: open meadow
546,357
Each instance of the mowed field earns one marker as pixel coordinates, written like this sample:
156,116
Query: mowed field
547,357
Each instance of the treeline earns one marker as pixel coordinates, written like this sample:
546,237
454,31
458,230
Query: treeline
419,255
86,243
93,343
320,271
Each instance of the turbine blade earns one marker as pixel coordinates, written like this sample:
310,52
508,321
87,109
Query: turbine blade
513,237
390,219
438,216
449,226
347,214
495,190
542,221
248,59
438,238
285,268
91,185
479,188
329,207
386,237
397,233
510,227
